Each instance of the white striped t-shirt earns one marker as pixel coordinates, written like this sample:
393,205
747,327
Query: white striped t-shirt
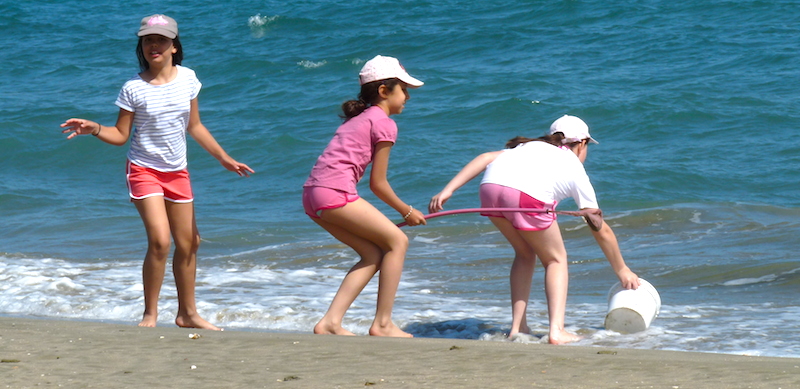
161,116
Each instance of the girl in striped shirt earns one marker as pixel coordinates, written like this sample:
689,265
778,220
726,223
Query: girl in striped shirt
160,106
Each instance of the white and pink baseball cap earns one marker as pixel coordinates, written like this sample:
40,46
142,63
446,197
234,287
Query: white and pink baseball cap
573,128
383,68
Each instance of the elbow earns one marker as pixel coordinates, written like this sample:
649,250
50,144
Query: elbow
378,186
487,158
374,187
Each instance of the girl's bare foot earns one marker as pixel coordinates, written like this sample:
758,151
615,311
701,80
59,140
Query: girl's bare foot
148,320
389,330
195,321
326,328
563,337
519,337
522,330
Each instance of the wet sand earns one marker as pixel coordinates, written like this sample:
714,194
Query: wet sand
78,354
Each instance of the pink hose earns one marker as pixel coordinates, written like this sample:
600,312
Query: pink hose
477,210
593,218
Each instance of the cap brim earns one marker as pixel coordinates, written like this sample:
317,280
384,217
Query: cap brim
157,31
411,81
593,141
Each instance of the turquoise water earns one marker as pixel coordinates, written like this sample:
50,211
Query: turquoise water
694,105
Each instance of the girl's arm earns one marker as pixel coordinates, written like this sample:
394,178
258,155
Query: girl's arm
204,138
116,135
608,243
467,173
379,184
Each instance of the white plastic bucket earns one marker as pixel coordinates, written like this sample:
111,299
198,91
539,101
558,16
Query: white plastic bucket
632,310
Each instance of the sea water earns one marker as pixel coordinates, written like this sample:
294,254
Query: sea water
694,105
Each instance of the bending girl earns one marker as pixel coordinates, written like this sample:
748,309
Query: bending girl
538,173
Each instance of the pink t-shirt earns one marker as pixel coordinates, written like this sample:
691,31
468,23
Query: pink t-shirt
348,154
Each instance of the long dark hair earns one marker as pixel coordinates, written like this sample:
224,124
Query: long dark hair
367,97
177,58
556,139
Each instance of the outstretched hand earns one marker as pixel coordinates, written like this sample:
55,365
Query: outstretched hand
237,167
438,200
79,127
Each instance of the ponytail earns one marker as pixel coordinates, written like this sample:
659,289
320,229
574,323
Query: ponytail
368,97
556,139
353,108
517,141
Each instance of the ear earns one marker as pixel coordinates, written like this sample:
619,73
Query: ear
383,91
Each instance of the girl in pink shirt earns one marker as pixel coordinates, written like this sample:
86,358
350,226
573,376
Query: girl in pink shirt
331,200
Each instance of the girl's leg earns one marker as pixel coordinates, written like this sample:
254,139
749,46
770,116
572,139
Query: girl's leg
549,247
382,246
156,224
184,263
521,274
354,282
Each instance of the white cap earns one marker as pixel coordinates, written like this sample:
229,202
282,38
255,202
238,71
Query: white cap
573,128
383,68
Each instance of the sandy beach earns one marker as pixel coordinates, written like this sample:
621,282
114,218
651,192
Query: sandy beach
54,353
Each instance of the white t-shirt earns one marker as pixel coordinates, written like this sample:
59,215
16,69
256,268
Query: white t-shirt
544,172
161,116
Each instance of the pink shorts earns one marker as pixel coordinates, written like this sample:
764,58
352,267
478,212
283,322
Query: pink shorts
145,182
316,199
498,196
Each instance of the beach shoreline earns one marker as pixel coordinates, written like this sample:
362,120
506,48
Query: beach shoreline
61,353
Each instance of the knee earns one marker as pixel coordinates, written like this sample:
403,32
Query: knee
159,247
398,242
523,264
556,260
371,254
196,242
527,256
188,245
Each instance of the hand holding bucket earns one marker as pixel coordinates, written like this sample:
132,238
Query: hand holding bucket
632,310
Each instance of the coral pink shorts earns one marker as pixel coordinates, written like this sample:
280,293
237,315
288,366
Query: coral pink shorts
316,199
498,196
145,182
